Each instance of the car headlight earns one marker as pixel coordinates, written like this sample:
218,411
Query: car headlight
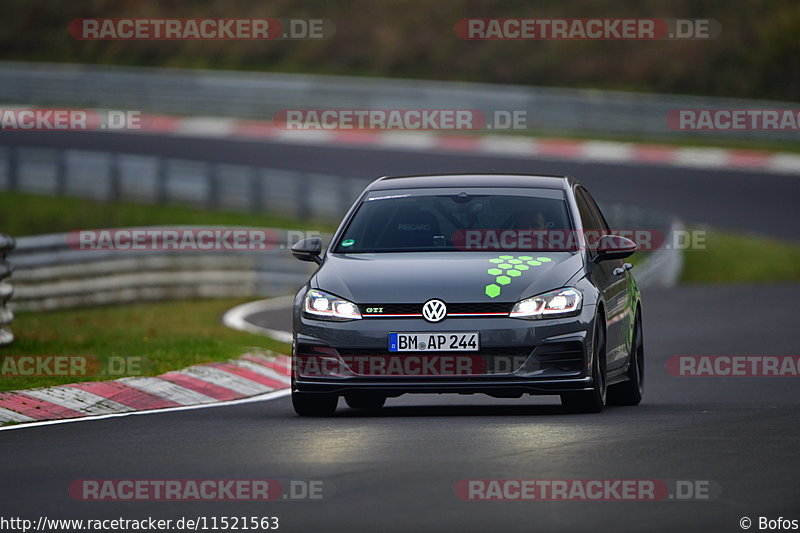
327,306
561,302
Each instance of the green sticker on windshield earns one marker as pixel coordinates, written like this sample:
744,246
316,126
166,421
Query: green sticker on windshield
348,242
505,268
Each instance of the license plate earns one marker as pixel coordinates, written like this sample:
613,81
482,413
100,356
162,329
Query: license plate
434,342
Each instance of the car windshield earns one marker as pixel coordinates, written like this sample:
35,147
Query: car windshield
472,219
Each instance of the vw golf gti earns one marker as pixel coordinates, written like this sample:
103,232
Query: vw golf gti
499,284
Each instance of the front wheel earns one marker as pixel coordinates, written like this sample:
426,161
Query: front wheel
591,401
319,405
630,392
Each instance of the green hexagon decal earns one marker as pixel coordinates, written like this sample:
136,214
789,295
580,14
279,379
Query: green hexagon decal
505,268
492,291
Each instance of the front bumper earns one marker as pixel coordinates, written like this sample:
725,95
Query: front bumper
516,356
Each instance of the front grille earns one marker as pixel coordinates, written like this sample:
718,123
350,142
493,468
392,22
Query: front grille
487,361
452,309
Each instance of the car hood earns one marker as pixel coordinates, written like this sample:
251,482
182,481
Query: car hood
463,277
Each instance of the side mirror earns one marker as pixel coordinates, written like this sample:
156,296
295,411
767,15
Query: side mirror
614,247
308,250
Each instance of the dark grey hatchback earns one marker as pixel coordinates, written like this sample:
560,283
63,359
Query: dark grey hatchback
500,284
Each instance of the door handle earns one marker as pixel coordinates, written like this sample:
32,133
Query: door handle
619,271
627,266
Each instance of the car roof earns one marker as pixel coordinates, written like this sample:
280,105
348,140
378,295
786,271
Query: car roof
421,181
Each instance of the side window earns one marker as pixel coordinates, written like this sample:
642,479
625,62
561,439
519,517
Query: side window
596,213
587,217
593,225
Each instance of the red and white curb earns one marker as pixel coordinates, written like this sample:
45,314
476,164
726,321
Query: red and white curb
473,144
251,377
489,144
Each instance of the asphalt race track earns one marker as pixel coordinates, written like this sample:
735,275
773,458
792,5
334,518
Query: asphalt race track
396,469
745,201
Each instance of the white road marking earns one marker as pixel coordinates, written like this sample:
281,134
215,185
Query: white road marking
205,127
506,145
402,139
304,136
701,157
784,163
607,151
235,318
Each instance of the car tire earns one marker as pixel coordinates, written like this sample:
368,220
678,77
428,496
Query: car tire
630,392
365,401
318,405
594,400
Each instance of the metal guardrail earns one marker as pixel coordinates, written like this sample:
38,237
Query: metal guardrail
6,290
153,179
261,95
50,274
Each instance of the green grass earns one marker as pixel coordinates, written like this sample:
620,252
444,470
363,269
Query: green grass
29,214
732,257
167,336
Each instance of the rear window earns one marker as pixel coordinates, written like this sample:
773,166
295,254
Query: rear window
455,220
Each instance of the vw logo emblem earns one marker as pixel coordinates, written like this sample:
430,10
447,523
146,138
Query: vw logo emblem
434,311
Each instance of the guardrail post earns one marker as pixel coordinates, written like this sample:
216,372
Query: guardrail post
61,172
161,181
212,198
115,179
12,170
256,190
302,193
6,291
345,198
